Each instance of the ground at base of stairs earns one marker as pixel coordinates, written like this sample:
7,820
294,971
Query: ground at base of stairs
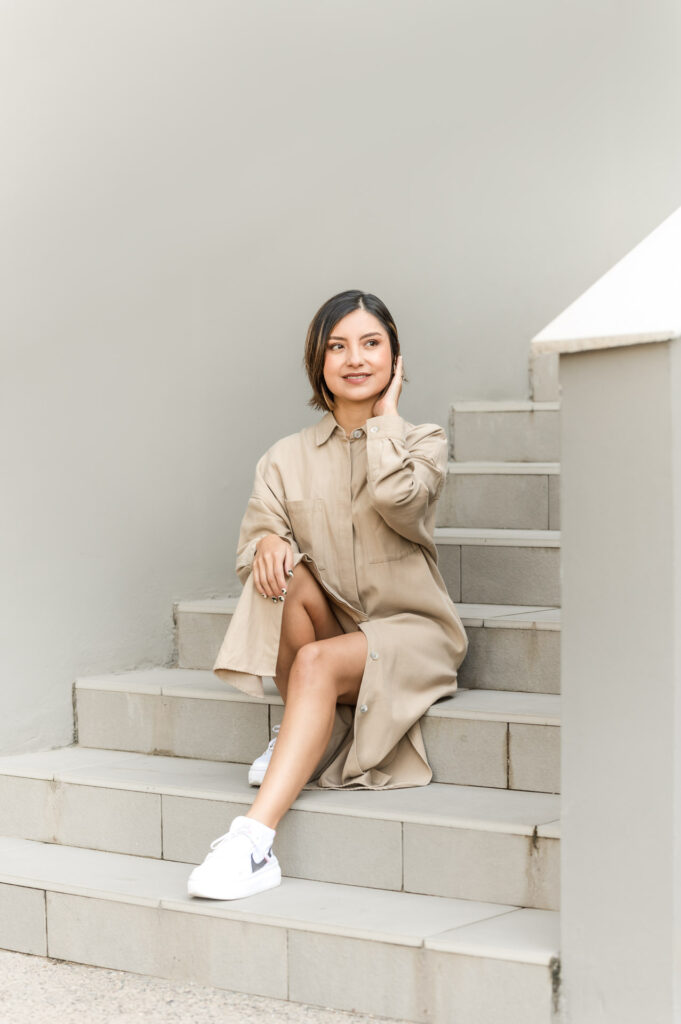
36,988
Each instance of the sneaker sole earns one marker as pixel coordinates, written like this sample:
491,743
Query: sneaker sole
266,878
255,776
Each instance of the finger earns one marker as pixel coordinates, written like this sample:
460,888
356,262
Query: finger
288,561
399,376
272,589
257,581
279,574
264,587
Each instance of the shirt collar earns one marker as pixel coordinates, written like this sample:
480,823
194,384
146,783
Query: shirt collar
325,428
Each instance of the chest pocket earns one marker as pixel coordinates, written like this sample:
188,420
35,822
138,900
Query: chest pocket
309,527
384,544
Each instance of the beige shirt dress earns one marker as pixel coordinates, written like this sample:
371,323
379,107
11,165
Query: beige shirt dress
359,511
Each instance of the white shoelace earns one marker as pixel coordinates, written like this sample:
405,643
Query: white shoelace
270,745
232,835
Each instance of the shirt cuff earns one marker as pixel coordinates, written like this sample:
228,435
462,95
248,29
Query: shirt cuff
391,425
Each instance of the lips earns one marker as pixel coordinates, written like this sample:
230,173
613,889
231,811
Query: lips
357,378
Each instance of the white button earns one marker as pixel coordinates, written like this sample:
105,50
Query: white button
357,433
373,430
363,708
374,655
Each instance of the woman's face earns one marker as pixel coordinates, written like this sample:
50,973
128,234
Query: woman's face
358,360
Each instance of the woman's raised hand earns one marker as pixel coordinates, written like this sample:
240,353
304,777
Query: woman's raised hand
272,563
388,402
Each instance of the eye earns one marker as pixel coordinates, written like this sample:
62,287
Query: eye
335,344
373,341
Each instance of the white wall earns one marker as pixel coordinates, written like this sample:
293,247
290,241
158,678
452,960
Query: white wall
185,181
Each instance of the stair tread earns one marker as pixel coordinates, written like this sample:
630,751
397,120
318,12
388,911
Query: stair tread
471,614
348,910
504,468
202,684
506,405
516,812
490,535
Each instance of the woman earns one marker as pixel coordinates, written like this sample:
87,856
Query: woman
342,602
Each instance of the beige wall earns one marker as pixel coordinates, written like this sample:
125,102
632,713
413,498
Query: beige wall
185,181
621,675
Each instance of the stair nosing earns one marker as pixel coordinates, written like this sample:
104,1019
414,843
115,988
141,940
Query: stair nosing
202,605
447,708
497,537
256,913
318,801
505,405
496,466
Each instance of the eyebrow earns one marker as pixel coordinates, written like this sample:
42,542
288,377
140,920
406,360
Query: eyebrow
337,337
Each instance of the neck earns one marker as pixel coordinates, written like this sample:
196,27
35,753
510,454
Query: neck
351,415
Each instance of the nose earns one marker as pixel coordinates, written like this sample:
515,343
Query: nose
354,355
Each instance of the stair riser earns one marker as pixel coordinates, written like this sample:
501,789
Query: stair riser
499,502
473,573
495,436
544,376
501,574
474,752
370,977
348,849
471,752
497,658
511,658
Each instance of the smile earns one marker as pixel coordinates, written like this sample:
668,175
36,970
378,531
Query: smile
357,378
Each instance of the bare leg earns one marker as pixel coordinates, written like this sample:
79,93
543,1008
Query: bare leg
307,617
323,673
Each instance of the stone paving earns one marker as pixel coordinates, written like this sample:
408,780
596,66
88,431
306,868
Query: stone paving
39,990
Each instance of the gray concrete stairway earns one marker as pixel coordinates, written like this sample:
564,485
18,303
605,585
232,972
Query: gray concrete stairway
430,904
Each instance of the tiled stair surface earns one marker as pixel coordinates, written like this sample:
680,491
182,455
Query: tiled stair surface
506,431
501,495
157,806
420,958
432,904
488,738
500,566
511,646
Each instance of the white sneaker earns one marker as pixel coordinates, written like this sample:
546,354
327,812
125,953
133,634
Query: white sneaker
241,864
256,773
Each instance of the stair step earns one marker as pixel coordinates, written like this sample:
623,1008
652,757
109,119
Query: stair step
513,431
469,842
476,737
500,566
511,647
407,956
517,495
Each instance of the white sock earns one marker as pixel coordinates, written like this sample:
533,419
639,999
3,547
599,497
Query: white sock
262,834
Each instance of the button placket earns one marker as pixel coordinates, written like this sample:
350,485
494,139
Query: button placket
373,655
348,568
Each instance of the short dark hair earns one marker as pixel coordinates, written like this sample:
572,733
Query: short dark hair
323,323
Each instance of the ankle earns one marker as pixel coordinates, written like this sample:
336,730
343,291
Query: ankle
265,833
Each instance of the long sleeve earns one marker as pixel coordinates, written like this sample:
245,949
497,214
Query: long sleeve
265,514
405,473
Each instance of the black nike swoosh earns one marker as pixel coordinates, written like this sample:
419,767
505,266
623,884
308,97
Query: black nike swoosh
256,867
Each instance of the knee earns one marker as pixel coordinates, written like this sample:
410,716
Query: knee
308,659
308,668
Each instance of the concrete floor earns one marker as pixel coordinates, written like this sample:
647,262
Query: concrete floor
38,990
